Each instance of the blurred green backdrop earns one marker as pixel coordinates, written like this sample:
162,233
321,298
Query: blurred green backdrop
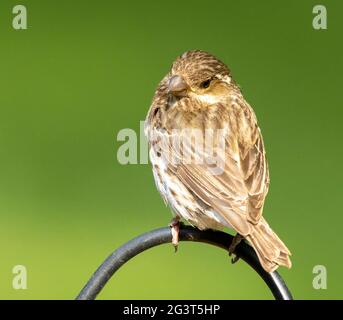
86,69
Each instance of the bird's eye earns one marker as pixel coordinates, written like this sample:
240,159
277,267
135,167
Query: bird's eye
205,84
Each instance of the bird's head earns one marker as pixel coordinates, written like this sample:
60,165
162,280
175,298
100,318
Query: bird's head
198,75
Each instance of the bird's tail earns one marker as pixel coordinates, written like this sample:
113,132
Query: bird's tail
270,250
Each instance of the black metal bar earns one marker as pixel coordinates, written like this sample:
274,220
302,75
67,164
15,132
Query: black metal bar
163,235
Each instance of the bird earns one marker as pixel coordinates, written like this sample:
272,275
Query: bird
208,157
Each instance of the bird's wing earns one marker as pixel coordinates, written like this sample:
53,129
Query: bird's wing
237,193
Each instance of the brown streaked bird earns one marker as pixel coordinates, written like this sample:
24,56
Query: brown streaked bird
199,94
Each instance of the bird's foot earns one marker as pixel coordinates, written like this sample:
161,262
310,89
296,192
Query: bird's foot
175,230
235,242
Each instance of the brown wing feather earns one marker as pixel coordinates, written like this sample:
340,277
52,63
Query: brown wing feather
238,193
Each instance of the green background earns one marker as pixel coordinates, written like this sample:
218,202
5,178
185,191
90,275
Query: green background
86,69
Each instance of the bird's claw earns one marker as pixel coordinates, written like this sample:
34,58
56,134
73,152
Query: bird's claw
175,230
235,242
234,259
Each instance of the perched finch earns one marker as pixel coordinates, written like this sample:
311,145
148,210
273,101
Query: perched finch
208,156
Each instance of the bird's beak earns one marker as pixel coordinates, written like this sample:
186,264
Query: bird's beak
177,86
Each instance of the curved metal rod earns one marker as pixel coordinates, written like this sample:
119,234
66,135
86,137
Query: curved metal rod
163,235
